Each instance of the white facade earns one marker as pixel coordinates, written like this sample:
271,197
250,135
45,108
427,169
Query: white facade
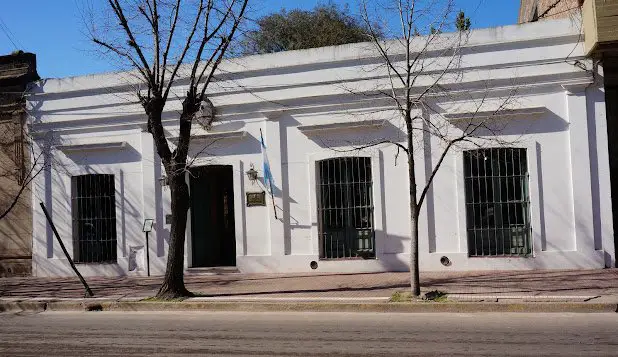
301,102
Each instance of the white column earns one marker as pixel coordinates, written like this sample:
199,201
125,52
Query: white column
598,116
149,192
583,220
272,139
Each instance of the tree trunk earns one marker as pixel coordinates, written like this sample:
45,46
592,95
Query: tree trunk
415,285
173,283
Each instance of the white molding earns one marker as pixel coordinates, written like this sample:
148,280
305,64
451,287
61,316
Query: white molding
309,129
115,145
273,114
577,86
488,114
224,135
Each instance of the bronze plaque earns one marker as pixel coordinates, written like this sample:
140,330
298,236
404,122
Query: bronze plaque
256,199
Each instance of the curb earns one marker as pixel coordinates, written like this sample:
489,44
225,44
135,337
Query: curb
256,306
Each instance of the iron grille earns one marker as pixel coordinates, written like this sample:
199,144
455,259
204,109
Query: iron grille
94,218
497,202
345,208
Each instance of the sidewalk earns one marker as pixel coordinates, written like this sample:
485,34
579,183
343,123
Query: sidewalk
581,286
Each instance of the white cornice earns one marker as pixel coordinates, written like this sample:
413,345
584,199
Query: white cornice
115,145
224,135
577,86
310,129
523,113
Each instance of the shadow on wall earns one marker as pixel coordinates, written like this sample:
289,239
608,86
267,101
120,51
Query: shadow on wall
351,138
549,122
57,199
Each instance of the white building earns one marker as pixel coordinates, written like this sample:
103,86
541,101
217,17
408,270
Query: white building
551,209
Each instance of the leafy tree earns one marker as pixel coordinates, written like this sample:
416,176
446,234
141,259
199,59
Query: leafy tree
325,25
463,22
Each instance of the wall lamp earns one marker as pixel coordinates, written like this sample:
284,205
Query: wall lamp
252,174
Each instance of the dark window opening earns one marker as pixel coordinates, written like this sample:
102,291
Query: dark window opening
345,208
497,202
94,218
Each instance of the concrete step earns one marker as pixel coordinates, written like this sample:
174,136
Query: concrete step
212,271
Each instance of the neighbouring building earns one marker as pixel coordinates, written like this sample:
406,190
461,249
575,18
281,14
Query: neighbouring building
534,10
541,202
16,71
598,20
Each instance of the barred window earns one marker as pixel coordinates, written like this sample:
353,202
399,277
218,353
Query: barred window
94,218
345,208
497,202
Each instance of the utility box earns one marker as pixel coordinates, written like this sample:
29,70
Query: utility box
136,258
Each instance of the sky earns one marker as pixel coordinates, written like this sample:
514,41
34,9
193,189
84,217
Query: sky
53,29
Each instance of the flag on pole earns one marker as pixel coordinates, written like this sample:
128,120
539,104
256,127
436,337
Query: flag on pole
268,176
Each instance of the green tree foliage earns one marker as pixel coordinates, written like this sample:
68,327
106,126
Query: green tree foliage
325,25
463,22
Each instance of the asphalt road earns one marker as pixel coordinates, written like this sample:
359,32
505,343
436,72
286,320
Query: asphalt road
306,334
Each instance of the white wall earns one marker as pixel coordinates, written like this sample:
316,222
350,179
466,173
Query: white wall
566,150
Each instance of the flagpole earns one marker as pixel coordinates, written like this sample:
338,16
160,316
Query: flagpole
270,181
273,198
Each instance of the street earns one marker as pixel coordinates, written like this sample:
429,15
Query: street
306,334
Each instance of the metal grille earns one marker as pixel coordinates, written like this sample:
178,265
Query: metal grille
497,202
94,218
345,208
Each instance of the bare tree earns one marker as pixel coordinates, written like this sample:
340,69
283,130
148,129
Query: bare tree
165,41
420,66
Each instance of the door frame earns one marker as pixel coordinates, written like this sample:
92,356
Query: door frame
239,207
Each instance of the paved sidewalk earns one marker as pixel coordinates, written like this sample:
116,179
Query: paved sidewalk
506,284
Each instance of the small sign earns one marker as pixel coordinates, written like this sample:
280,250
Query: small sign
168,219
147,227
256,199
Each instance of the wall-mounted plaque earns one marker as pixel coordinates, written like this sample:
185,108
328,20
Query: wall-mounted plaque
256,199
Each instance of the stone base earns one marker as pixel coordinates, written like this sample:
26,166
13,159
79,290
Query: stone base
15,267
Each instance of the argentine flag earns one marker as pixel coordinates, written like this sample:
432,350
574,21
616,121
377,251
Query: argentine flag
268,176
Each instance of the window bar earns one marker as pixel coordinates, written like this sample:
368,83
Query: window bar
365,209
337,193
343,208
345,185
514,222
525,220
368,205
328,237
478,228
502,198
324,177
492,205
495,163
473,196
484,203
508,202
355,232
324,194
360,206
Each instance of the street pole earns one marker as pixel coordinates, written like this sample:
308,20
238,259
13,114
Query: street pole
147,255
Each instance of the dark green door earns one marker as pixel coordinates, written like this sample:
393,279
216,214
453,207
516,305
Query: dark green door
212,216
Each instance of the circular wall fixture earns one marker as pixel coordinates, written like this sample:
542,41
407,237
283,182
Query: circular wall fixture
313,265
445,261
